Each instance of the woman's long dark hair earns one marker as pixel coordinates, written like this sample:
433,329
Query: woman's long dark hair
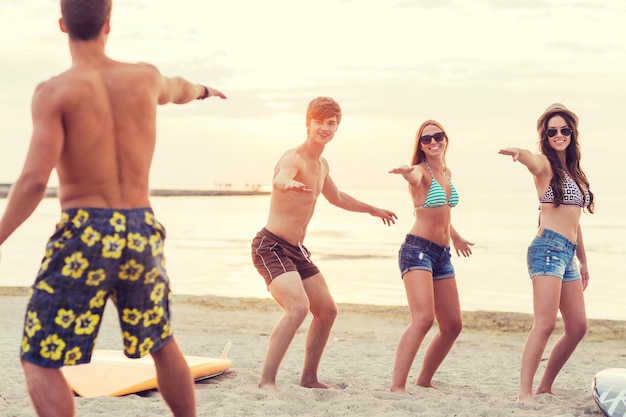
572,160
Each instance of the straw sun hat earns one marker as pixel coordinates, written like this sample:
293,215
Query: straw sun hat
554,109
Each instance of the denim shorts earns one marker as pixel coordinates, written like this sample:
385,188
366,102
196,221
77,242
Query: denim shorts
418,253
552,254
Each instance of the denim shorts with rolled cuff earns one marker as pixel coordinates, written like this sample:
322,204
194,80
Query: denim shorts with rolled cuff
417,253
552,254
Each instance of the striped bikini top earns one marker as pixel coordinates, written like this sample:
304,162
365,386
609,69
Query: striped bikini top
436,196
572,196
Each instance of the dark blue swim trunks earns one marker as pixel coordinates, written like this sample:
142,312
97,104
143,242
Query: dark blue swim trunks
95,254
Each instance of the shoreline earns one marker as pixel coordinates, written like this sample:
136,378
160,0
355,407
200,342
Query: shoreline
481,321
52,192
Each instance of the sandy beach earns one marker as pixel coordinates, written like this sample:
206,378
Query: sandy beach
478,379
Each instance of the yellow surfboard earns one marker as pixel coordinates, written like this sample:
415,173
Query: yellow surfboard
111,373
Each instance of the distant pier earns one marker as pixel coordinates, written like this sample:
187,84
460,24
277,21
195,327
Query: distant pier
52,192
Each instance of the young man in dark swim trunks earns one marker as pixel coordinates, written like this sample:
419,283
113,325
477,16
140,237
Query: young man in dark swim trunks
292,278
96,125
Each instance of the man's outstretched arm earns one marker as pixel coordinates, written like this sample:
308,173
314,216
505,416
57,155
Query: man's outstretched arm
178,90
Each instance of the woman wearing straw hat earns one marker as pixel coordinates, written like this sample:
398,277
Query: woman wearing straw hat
558,282
424,258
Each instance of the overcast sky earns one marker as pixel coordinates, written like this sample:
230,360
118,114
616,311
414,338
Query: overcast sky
486,69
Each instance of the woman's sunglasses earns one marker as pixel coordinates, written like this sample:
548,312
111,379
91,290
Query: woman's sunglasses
426,139
565,131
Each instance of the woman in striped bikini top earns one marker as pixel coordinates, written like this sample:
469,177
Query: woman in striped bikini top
436,196
425,256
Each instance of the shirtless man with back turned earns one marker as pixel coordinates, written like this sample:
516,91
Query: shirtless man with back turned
96,125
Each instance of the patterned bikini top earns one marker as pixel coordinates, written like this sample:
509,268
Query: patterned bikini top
436,196
572,196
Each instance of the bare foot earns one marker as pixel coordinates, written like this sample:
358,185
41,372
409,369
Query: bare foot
269,386
526,399
429,385
314,384
398,390
548,391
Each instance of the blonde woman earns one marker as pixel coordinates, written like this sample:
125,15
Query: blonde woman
558,281
424,258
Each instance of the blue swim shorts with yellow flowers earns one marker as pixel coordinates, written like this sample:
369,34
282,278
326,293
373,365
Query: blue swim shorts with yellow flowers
95,254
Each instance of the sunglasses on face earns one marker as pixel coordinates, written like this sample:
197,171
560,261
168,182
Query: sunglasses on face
565,131
426,139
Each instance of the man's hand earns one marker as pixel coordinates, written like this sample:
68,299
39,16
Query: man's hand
388,217
215,93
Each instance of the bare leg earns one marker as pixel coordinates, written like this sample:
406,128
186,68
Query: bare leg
324,313
48,390
546,295
575,324
419,290
448,314
289,293
174,380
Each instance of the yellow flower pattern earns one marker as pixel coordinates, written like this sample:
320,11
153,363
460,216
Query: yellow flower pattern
137,242
167,331
72,356
86,323
75,265
32,325
98,300
94,278
66,235
46,259
65,318
152,316
93,257
158,293
118,221
90,236
25,344
146,346
130,343
151,276
113,246
52,347
156,244
43,286
80,218
131,316
131,270
149,219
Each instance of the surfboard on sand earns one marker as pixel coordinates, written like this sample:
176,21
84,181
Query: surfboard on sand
609,391
111,373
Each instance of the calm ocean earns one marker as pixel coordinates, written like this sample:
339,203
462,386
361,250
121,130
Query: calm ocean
208,248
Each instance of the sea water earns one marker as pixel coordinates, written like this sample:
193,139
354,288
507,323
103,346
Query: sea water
208,240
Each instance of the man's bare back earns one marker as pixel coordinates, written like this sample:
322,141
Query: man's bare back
96,125
104,131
